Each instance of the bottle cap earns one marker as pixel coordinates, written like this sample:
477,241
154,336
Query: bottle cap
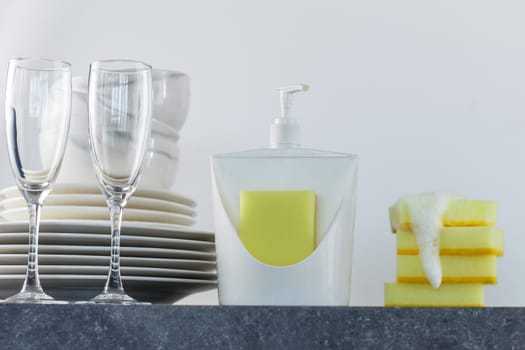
284,131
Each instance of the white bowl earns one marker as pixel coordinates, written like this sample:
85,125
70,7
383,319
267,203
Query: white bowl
171,101
164,144
160,167
171,97
159,171
170,108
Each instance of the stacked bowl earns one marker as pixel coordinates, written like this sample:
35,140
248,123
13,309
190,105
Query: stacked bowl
163,259
171,97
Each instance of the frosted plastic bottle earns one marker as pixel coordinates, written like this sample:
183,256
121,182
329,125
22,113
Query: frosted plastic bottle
323,277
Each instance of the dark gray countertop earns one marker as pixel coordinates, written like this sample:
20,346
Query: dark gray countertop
197,327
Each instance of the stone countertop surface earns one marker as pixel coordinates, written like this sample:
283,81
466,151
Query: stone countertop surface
258,327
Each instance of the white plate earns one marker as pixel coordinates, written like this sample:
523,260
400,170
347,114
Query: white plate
101,270
97,200
12,191
94,260
49,238
103,226
84,287
104,251
98,213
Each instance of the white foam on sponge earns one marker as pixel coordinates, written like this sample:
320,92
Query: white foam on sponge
426,211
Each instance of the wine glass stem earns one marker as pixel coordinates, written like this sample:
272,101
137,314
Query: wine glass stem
32,281
114,281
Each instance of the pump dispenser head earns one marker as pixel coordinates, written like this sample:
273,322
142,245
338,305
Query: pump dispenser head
285,129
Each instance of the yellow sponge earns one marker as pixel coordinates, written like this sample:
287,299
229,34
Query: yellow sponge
479,240
460,212
278,227
455,269
414,294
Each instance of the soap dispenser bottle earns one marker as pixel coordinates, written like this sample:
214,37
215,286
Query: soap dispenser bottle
284,220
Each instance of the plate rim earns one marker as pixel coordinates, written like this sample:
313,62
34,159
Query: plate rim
205,265
146,270
185,209
88,225
72,210
103,248
157,240
134,278
92,189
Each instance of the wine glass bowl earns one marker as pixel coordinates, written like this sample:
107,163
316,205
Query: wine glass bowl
119,123
37,108
170,106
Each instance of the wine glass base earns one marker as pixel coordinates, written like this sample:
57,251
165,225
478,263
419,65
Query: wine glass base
113,299
32,297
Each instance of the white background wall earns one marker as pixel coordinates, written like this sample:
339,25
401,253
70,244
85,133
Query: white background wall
430,94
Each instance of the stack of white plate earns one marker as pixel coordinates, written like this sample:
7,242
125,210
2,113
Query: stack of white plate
163,260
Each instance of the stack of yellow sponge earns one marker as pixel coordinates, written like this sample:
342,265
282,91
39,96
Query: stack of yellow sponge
469,243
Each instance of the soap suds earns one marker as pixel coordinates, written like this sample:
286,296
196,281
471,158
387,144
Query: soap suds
426,210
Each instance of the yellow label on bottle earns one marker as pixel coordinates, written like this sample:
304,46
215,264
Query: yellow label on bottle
278,227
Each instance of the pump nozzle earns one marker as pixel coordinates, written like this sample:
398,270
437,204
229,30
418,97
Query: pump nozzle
285,129
286,93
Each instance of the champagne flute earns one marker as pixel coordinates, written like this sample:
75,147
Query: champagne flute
37,117
119,126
